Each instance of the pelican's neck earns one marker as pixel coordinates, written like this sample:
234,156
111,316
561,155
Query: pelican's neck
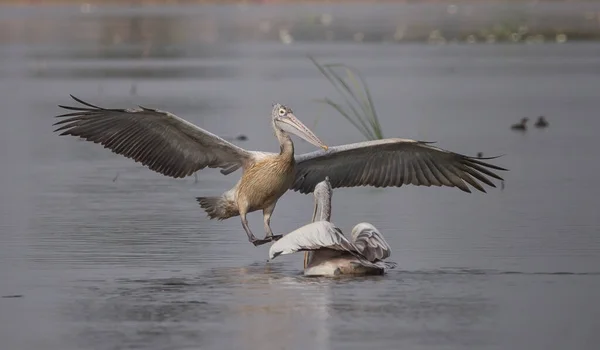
322,212
286,146
322,207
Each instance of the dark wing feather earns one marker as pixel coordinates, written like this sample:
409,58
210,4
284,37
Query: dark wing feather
159,140
392,162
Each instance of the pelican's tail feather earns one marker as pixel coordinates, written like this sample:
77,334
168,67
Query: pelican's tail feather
219,208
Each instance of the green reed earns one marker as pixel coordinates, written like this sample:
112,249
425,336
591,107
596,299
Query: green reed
358,107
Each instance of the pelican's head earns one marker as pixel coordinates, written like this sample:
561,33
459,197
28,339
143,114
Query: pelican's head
281,247
285,120
524,120
273,253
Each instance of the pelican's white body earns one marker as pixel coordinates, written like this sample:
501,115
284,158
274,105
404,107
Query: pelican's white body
327,251
331,263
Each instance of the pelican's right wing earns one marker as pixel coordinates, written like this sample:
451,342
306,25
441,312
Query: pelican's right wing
159,140
370,242
314,236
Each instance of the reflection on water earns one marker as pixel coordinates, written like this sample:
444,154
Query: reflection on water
264,307
258,308
108,255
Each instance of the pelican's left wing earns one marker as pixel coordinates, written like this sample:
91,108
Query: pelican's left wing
314,236
391,162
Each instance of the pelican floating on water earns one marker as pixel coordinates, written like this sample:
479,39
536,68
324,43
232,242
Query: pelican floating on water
177,148
327,252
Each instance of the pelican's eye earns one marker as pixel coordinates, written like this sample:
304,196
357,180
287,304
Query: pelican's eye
282,112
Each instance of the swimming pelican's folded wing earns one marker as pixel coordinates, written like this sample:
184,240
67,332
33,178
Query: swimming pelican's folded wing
370,242
392,162
159,140
320,235
314,236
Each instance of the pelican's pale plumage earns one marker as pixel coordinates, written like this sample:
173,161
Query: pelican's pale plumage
391,162
333,251
327,251
313,236
369,241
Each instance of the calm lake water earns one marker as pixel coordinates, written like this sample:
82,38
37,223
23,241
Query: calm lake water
106,254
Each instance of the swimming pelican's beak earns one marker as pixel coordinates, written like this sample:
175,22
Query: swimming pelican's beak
305,260
291,124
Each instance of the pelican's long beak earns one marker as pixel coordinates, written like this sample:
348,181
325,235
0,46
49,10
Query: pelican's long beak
294,126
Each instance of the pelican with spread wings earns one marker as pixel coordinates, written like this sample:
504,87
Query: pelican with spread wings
174,147
327,252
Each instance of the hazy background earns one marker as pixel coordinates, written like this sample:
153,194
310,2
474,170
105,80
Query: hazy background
97,252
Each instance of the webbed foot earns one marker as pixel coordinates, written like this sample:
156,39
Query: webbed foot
274,238
265,240
258,242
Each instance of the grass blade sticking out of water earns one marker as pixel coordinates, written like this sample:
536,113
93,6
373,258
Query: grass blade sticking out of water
359,109
363,129
367,99
353,115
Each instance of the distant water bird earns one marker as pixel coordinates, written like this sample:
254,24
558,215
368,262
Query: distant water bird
327,252
479,154
541,122
174,147
522,126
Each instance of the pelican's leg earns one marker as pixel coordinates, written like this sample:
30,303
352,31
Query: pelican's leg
267,220
251,237
243,208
